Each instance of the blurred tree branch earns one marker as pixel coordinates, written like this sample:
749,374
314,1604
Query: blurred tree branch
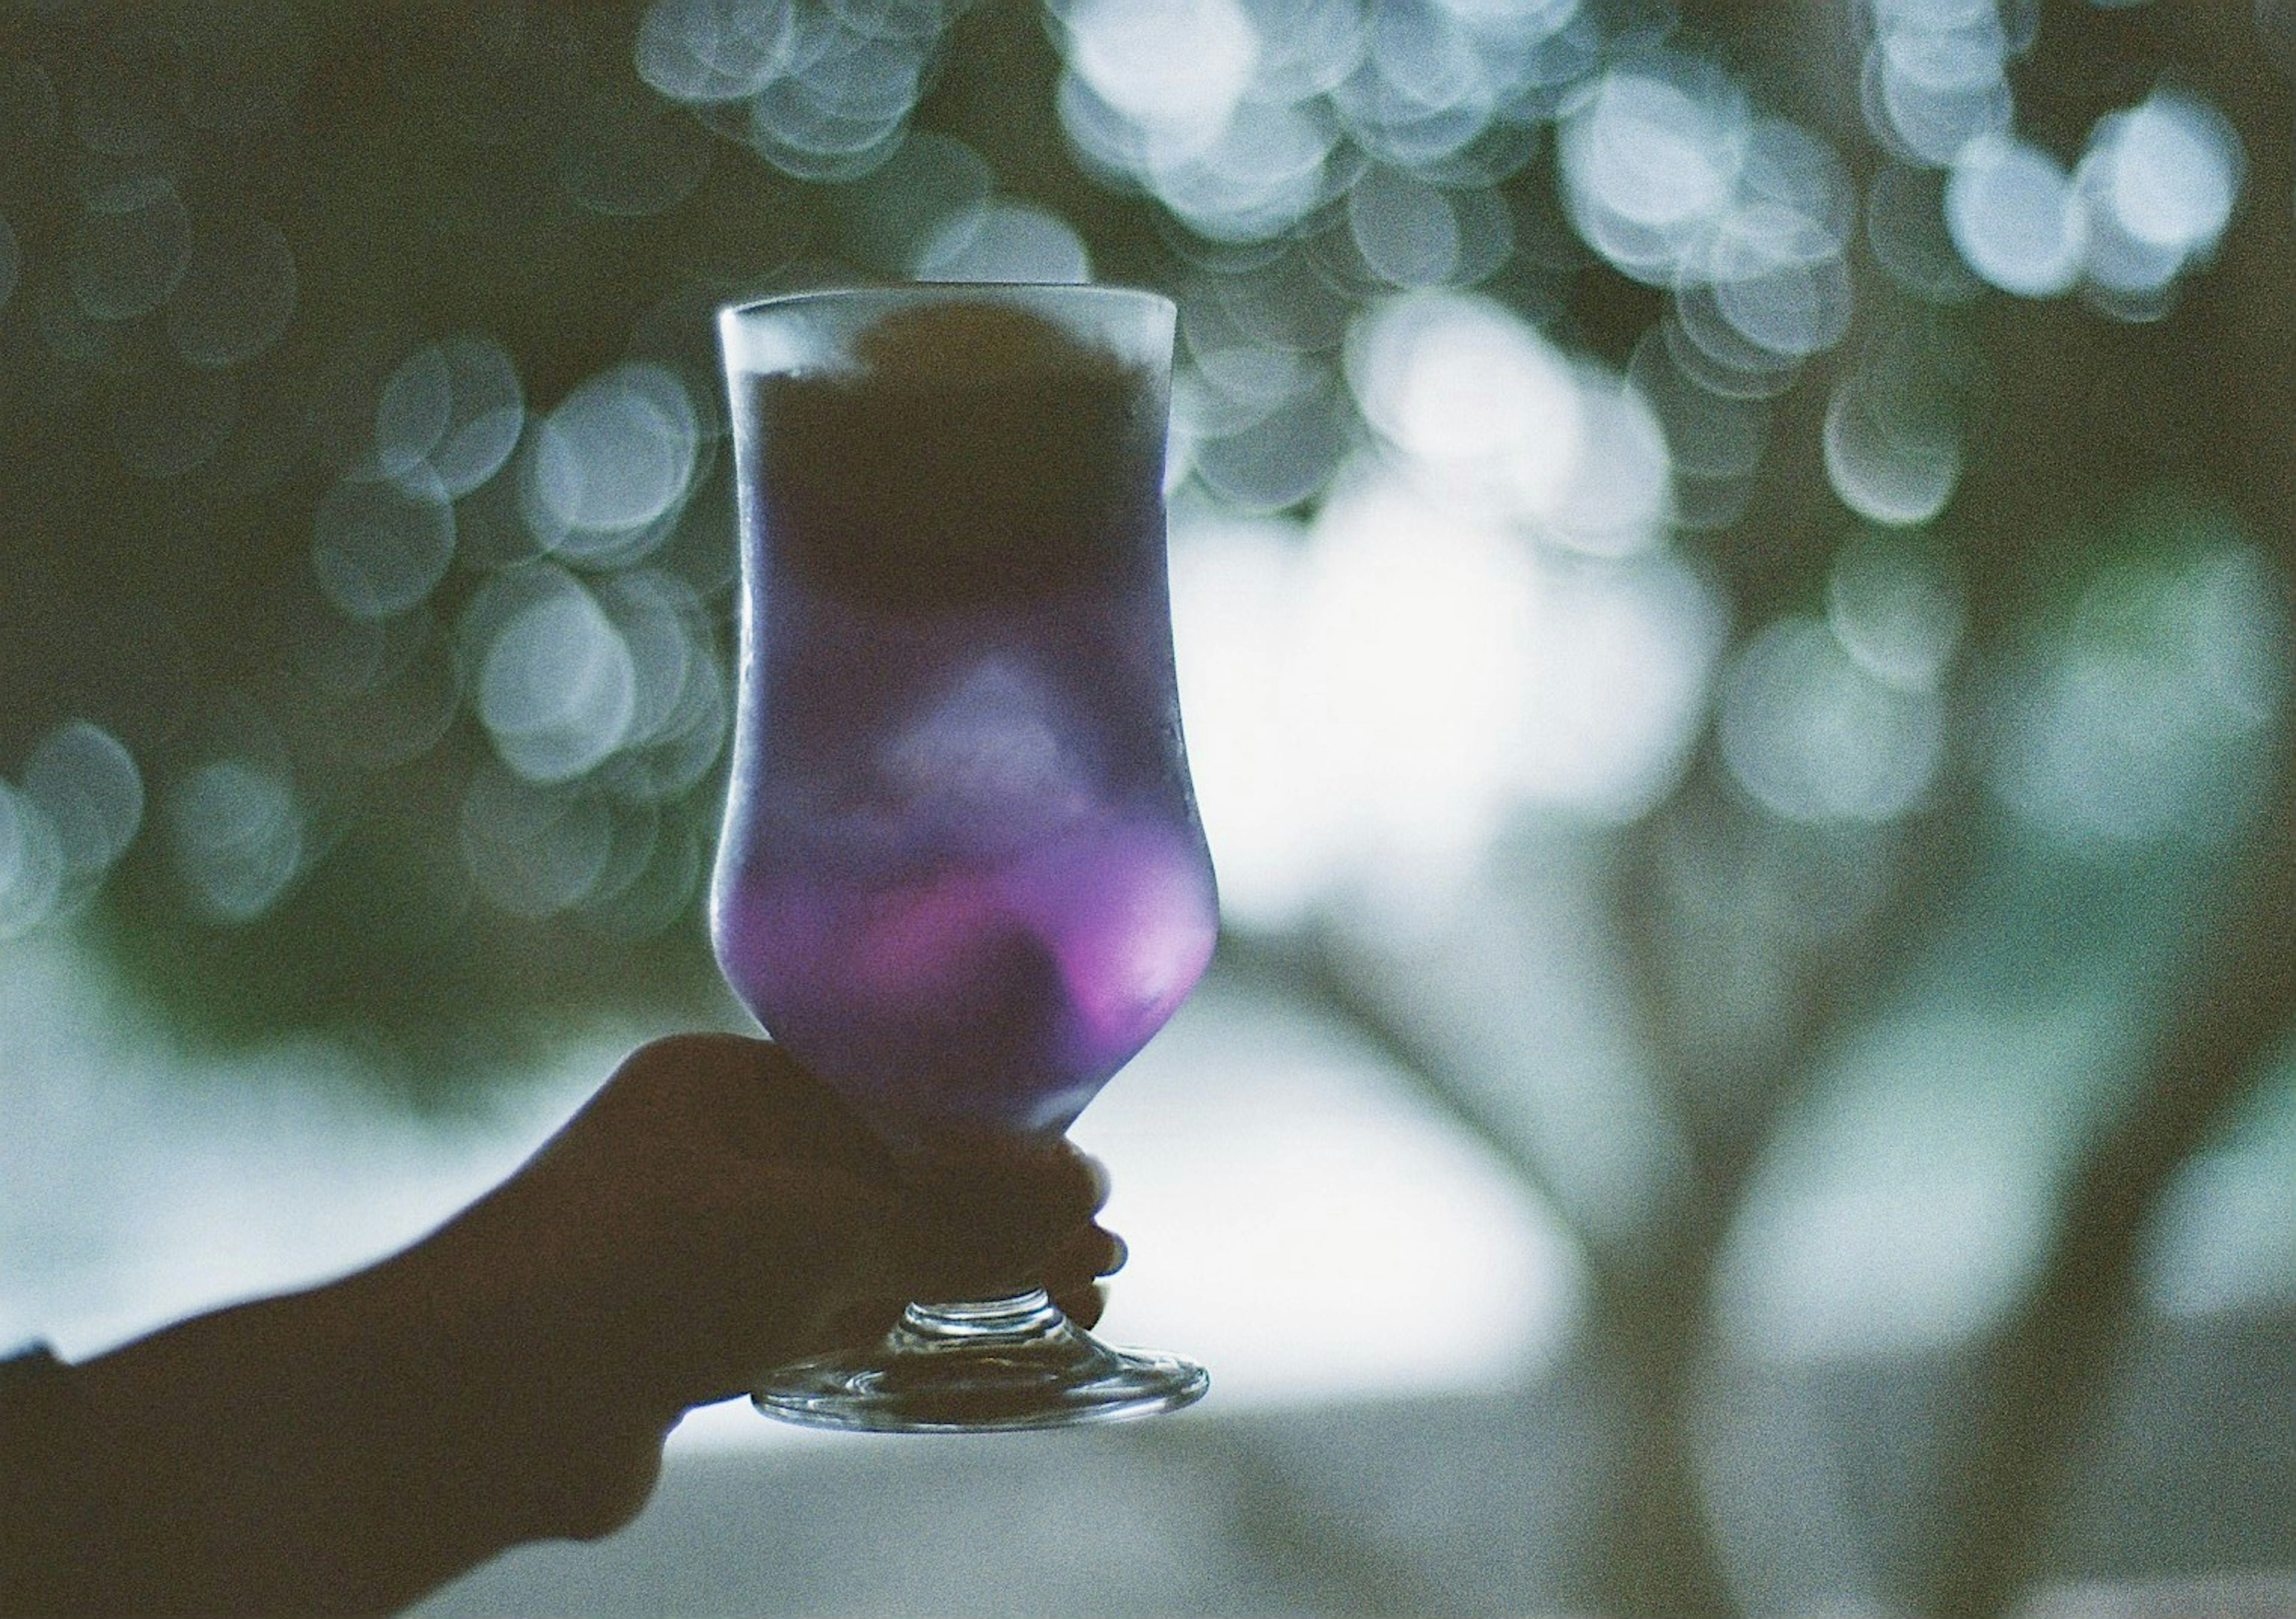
2041,1370
1301,967
1655,1556
2083,409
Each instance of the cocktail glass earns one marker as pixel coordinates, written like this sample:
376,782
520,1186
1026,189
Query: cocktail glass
962,877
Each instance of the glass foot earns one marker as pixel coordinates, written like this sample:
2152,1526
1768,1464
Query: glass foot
983,1368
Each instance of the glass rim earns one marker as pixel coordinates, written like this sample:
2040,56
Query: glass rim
905,291
772,335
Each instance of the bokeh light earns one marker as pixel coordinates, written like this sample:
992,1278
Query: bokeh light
534,850
1001,239
712,51
1887,453
611,464
87,783
822,92
1896,608
2141,717
2160,180
2170,170
1779,280
2015,217
130,249
1406,229
1179,75
1815,736
1172,97
31,864
1616,500
1936,76
237,837
1474,397
2150,194
557,688
1673,178
1652,161
379,546
678,713
449,417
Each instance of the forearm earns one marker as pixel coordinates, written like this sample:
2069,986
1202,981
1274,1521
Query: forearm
343,1450
710,1213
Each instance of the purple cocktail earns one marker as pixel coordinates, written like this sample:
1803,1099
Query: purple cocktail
962,877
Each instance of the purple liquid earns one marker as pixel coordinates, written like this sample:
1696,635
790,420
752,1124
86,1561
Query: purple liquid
961,876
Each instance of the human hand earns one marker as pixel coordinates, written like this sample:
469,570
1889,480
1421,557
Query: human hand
710,1213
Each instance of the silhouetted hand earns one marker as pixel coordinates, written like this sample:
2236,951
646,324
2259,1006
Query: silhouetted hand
714,1211
710,1213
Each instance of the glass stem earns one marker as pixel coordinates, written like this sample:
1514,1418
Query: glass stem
1016,1318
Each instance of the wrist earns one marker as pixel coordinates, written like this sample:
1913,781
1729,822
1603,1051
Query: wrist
549,1434
40,1482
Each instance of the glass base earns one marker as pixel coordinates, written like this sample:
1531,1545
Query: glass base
1003,1364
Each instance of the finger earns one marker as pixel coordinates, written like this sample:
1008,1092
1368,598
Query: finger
774,1107
1083,1305
1019,1178
1099,1180
1094,1252
991,1213
1096,1249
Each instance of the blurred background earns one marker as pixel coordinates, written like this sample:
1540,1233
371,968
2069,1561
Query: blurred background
1730,571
